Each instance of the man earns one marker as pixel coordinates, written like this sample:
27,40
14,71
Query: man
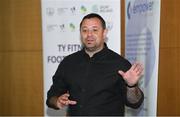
95,80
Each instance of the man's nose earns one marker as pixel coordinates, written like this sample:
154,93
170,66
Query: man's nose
90,32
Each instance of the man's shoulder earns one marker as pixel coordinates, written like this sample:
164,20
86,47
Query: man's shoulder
117,57
114,54
75,55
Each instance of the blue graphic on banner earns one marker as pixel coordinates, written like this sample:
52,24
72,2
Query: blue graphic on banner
142,44
139,40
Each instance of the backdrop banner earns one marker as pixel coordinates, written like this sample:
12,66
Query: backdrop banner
60,24
142,44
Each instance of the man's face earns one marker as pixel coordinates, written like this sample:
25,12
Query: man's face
92,34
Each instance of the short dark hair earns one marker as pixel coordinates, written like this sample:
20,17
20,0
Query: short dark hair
94,15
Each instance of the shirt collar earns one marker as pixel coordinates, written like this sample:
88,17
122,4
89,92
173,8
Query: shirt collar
98,54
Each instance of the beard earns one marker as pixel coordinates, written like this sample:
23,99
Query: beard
90,49
91,45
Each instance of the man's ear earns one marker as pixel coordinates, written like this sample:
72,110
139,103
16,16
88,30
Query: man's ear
105,33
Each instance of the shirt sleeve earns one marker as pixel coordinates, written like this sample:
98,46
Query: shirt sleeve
136,102
59,85
134,98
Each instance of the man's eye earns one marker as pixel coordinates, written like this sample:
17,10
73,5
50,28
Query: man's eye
95,30
84,30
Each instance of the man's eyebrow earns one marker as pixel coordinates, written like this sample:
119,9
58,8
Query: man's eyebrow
92,26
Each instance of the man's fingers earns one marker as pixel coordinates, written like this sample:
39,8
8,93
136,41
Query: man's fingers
121,73
66,95
64,98
68,102
139,73
134,66
138,68
72,102
60,105
64,101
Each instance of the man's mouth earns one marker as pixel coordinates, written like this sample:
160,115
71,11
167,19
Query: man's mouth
90,39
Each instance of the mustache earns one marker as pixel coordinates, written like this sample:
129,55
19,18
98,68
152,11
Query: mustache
90,38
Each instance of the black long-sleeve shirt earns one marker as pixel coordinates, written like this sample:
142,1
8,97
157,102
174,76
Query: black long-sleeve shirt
93,82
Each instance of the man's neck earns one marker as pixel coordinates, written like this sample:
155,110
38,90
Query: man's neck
92,52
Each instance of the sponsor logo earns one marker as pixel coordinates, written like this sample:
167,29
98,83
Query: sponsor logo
72,27
144,8
62,27
61,11
95,8
51,27
105,9
102,9
50,11
83,9
73,10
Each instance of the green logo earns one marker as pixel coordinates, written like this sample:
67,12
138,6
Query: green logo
95,8
72,27
83,9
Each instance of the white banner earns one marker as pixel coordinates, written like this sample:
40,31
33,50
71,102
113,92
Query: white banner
142,44
60,24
